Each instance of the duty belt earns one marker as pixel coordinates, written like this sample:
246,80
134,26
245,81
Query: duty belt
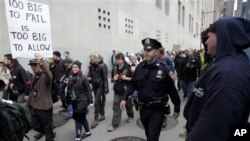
151,103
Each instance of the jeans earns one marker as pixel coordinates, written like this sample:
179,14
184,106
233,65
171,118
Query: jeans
187,87
69,111
83,122
100,99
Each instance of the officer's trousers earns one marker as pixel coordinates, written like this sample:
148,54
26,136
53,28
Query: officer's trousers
152,119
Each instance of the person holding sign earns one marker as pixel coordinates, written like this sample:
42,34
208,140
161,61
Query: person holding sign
40,100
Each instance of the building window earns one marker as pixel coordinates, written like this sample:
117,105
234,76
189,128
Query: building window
192,24
166,38
196,29
158,4
198,6
183,16
104,19
167,7
189,21
158,35
179,12
129,26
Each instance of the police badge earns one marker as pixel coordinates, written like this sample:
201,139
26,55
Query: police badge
159,74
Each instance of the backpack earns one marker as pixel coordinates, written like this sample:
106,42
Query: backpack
15,121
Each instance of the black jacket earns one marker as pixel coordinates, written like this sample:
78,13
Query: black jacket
19,79
99,76
186,73
83,95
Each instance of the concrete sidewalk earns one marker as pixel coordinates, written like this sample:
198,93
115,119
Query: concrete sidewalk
66,132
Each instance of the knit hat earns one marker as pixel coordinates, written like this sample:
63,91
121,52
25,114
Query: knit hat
57,53
79,64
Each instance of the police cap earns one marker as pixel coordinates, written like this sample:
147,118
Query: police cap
150,44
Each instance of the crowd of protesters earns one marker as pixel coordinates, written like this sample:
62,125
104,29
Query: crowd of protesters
62,80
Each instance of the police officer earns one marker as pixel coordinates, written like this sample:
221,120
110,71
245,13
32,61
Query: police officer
153,84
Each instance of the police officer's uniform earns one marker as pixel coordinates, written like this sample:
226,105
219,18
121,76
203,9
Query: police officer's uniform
153,84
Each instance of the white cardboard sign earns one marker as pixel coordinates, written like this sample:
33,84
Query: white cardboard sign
29,28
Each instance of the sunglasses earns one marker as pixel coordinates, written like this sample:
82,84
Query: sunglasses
33,65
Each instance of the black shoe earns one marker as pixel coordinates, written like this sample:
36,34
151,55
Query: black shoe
38,136
54,134
85,135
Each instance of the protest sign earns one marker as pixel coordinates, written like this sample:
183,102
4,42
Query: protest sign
29,28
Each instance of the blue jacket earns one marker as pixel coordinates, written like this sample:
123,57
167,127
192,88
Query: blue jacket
221,96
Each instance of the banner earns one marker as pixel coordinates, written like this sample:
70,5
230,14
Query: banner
29,28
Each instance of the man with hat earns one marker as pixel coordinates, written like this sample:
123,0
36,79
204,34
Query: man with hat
40,99
154,85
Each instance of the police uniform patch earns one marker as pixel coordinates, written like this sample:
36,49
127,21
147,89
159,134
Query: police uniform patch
159,74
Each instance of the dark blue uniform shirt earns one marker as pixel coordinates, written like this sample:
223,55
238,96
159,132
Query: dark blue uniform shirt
153,83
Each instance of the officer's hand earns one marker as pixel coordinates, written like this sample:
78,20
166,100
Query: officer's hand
122,105
176,115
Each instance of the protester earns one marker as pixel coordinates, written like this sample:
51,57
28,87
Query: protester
221,97
81,97
40,100
98,76
121,75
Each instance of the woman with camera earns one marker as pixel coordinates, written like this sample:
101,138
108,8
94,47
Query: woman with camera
80,96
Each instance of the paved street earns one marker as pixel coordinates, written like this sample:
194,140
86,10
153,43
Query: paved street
66,132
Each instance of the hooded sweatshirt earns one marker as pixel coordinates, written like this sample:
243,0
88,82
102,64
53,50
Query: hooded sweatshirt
221,97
